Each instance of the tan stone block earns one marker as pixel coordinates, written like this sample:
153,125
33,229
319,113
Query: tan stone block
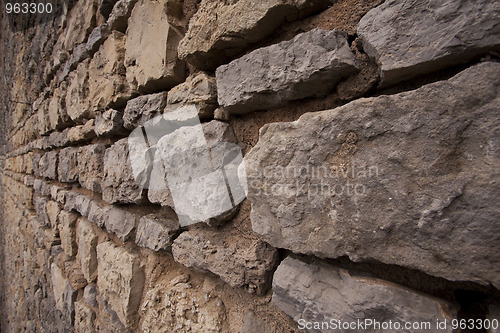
84,318
121,281
77,95
87,242
67,232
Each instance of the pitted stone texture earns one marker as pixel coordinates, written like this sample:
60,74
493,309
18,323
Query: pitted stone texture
143,108
175,305
119,15
81,133
109,122
120,282
309,65
40,206
84,318
48,165
412,38
222,29
156,232
67,232
240,262
199,89
317,292
67,169
151,56
406,179
57,116
108,86
119,185
87,242
64,294
98,213
120,222
77,95
90,161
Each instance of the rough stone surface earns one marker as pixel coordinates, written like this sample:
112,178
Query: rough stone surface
64,294
199,89
443,34
121,12
108,86
87,242
90,294
156,232
240,262
309,65
77,102
97,37
406,179
80,23
143,108
81,133
67,169
174,305
318,292
91,166
221,29
121,281
67,232
40,206
119,185
109,122
120,222
47,166
84,318
151,56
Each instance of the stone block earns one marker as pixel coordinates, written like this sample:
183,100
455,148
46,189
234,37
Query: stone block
151,49
109,123
68,170
119,184
310,65
84,318
400,179
220,29
143,108
120,222
121,281
87,242
443,34
90,162
64,294
240,262
81,133
317,293
97,38
77,94
108,87
80,22
118,19
67,232
156,232
47,166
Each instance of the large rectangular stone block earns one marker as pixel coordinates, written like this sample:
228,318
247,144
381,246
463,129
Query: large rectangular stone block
68,170
77,94
90,161
309,65
120,282
87,242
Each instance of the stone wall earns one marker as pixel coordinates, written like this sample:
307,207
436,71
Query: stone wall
368,188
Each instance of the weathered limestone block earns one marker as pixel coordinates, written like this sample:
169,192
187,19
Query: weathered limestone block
320,292
64,294
109,122
81,133
119,185
143,108
406,179
90,294
98,213
48,165
82,204
151,49
78,55
121,281
199,89
90,162
240,262
58,139
53,211
156,232
77,94
40,206
410,39
120,222
220,30
311,64
118,19
67,232
108,86
97,37
87,242
80,23
57,116
175,305
67,168
84,318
